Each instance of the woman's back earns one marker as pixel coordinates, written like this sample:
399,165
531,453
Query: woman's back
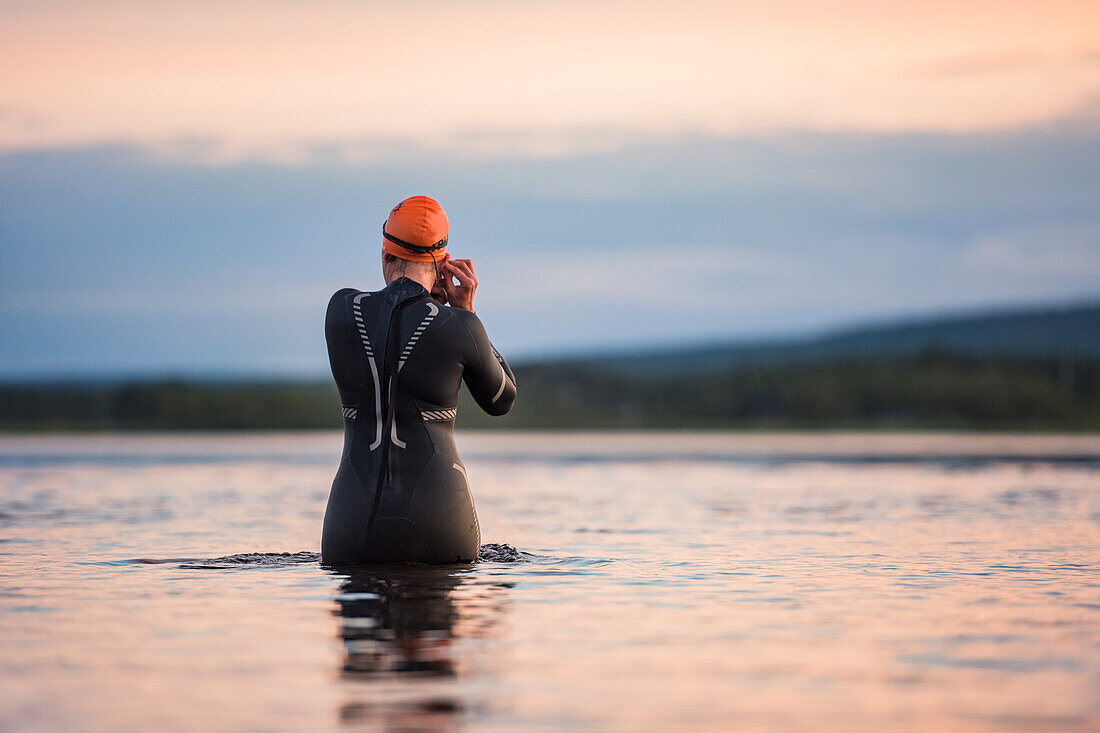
398,357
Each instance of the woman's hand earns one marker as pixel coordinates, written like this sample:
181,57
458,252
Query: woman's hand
461,295
439,293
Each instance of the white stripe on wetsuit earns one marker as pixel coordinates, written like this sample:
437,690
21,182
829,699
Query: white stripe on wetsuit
439,414
433,310
503,374
357,309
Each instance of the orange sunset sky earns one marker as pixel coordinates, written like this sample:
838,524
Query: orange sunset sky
529,78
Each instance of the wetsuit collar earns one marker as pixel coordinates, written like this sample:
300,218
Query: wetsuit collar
405,287
404,282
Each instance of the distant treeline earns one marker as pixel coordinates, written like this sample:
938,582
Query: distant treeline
928,390
169,405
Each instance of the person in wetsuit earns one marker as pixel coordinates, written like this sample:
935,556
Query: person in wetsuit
398,356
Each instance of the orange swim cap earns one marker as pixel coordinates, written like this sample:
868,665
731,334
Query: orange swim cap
416,230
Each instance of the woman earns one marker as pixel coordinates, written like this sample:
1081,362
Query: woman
398,356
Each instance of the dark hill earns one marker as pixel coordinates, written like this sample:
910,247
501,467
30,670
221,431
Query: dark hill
1050,333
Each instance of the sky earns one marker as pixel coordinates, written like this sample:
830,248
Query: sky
183,185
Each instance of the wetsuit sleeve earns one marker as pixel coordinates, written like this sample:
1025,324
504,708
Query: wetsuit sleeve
485,372
343,354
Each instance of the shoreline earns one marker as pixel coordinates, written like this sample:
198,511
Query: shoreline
630,445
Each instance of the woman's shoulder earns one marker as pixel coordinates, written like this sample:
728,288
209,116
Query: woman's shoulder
343,293
461,315
339,305
466,323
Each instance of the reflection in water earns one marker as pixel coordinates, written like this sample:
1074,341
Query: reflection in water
416,626
397,621
691,592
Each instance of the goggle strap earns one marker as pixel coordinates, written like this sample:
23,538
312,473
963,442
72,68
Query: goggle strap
420,249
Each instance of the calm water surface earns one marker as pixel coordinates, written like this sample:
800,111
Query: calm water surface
691,582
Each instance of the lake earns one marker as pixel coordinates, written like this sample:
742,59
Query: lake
658,581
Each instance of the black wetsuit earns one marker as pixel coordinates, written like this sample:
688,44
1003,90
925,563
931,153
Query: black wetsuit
400,494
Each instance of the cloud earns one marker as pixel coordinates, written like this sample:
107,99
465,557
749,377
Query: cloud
116,258
1066,254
